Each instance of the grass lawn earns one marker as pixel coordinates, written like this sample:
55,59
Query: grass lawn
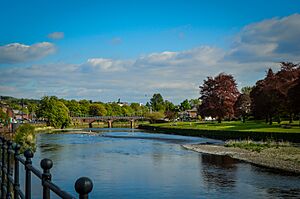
253,126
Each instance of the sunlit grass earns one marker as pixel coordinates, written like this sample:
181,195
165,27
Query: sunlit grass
253,126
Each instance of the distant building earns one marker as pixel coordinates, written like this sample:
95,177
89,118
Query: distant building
123,104
192,113
189,114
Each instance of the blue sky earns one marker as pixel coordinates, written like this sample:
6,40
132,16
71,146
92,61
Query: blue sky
105,50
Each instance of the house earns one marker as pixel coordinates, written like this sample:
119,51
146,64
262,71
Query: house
192,113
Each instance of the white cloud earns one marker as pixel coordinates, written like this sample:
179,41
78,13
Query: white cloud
175,74
56,35
17,53
106,65
275,39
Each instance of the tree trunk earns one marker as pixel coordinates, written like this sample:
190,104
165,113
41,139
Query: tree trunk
270,120
291,118
244,118
278,119
267,119
219,120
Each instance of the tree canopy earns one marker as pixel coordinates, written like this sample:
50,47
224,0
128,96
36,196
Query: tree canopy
157,102
54,111
270,95
218,97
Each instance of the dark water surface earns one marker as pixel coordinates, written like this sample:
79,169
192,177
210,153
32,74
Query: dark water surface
126,163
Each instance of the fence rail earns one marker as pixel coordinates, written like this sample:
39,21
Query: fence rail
10,175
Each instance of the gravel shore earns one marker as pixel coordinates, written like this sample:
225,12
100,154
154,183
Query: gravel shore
283,158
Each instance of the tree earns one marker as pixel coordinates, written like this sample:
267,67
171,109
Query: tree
25,136
84,106
195,103
294,97
154,116
246,90
74,107
218,97
4,119
242,106
97,110
54,111
171,111
270,96
266,99
185,105
157,102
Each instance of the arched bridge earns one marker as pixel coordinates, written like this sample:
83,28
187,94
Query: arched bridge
108,119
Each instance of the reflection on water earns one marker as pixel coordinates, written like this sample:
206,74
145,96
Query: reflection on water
131,164
225,167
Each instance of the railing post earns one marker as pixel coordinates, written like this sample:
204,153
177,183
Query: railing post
17,177
8,183
83,187
3,173
28,155
46,165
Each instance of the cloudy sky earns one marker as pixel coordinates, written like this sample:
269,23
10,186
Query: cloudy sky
105,50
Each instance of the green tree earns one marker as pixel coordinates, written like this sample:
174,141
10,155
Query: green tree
3,118
171,111
97,110
154,116
25,136
157,102
194,102
74,107
246,90
185,105
84,106
54,111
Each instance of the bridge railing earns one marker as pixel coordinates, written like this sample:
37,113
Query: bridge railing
10,175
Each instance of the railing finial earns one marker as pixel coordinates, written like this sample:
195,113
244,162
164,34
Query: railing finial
83,187
28,154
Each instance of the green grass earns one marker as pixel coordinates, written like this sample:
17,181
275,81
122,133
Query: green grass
251,126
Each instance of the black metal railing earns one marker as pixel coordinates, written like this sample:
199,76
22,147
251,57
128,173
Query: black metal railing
10,175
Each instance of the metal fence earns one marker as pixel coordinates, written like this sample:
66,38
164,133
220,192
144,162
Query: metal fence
10,175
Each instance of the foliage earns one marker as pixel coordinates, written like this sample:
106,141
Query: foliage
97,110
185,105
218,96
54,111
74,107
294,97
270,96
246,90
154,116
195,102
171,111
157,102
3,117
25,136
242,106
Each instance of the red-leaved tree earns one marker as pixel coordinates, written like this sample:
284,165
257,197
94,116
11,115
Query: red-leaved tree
270,96
218,97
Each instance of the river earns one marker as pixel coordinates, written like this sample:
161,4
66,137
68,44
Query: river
126,163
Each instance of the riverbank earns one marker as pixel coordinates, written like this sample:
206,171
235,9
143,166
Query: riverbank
229,130
282,158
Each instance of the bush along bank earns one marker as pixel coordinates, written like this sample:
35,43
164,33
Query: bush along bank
225,134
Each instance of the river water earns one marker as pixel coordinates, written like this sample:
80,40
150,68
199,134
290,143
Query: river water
125,163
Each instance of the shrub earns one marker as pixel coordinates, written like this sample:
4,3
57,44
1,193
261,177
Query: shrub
25,136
